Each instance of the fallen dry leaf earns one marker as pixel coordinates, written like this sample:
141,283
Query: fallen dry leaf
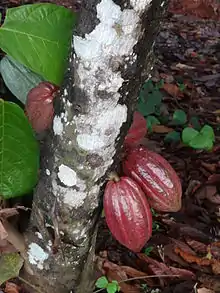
204,290
14,237
173,90
6,247
114,272
207,9
208,192
209,167
161,129
216,267
214,179
160,268
210,282
196,245
133,273
3,232
201,261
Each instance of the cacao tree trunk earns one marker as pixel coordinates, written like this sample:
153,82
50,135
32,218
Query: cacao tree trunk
111,56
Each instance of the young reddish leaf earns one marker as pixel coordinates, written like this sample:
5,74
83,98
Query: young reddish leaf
39,106
137,131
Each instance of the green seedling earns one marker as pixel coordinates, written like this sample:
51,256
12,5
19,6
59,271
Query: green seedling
103,284
151,121
202,139
181,86
148,250
173,136
150,99
179,117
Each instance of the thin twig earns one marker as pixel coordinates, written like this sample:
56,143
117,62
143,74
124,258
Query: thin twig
142,277
29,284
148,277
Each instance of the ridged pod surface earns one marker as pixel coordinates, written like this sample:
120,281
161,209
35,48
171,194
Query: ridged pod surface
156,177
127,213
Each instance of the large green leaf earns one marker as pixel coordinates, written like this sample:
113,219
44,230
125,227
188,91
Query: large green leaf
38,36
10,265
19,152
18,78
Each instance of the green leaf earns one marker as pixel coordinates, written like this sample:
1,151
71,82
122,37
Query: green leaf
179,117
160,84
207,131
201,142
182,86
10,265
188,134
116,282
151,121
148,250
112,287
102,282
148,86
19,152
38,36
194,121
103,213
18,78
156,226
154,213
173,136
148,106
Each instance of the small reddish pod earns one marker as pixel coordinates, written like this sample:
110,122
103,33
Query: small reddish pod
136,132
156,177
127,213
39,106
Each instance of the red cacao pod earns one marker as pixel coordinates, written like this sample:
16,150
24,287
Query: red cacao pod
156,177
39,106
127,213
136,132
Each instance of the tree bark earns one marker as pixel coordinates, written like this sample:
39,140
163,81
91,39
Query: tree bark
111,56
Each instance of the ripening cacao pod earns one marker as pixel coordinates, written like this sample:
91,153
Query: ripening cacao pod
127,212
39,106
156,177
136,132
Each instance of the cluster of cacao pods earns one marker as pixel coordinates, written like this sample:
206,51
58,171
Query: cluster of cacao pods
149,181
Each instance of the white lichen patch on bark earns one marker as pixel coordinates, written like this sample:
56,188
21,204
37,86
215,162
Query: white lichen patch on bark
98,57
37,255
57,125
67,176
103,130
140,5
112,40
69,196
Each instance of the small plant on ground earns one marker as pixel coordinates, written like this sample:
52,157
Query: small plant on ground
103,283
187,130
